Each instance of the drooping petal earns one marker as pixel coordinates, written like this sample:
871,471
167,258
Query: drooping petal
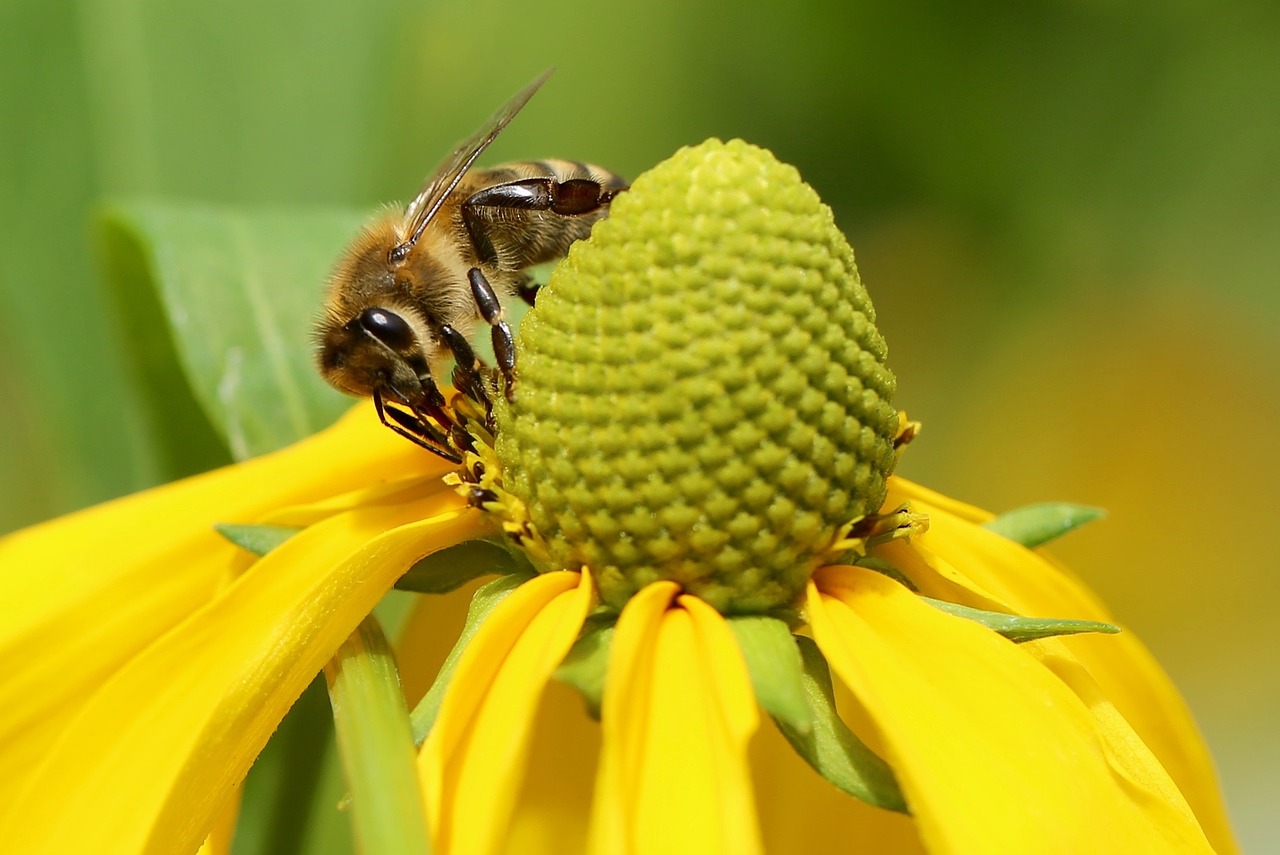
901,490
82,594
984,563
426,638
555,804
472,763
993,751
304,513
159,748
678,714
962,562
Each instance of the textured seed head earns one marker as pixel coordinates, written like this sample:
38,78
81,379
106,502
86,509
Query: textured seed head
702,393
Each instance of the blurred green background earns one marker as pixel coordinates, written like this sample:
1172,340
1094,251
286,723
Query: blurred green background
1068,214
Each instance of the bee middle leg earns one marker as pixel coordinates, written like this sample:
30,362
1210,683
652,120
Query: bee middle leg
468,371
504,346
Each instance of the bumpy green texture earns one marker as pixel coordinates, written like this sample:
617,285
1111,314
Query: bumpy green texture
702,392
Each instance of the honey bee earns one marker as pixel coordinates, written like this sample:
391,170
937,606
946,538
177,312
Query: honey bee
411,287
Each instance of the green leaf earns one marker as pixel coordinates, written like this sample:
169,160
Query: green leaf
486,599
447,570
258,539
831,748
1019,629
375,742
237,292
178,430
587,662
70,428
777,674
1035,525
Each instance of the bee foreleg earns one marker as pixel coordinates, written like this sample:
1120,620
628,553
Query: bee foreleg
414,429
432,403
504,346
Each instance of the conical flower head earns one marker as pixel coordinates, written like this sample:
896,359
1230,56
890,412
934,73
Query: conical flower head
702,393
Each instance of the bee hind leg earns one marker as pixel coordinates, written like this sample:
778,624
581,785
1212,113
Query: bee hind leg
580,201
504,346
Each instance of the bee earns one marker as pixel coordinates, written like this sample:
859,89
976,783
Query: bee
411,287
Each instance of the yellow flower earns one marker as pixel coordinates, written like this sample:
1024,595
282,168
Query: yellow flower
146,661
144,671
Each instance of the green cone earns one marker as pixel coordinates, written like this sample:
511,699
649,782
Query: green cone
702,394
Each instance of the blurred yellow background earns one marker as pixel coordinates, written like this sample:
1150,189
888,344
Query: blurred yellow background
1067,214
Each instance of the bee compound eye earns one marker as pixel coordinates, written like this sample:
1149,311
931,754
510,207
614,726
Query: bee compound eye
387,327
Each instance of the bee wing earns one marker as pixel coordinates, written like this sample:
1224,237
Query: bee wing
427,203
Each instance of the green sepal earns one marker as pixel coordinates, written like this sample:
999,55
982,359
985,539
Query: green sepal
258,539
777,674
831,748
1017,628
873,562
587,662
451,568
484,601
376,744
1035,525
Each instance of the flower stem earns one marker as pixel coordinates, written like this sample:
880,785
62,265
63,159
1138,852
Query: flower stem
376,745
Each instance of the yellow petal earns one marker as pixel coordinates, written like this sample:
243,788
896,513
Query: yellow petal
224,828
158,750
958,561
799,811
302,514
555,803
994,567
429,633
472,763
678,713
993,751
82,594
901,491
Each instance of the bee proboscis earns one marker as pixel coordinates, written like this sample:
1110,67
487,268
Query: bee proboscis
412,286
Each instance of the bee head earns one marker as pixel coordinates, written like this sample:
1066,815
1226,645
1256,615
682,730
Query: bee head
379,350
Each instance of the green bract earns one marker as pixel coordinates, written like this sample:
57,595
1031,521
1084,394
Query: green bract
702,394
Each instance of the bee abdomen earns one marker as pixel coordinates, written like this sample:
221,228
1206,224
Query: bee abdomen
561,171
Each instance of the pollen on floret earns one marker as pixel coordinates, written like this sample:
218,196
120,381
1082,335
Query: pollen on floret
702,392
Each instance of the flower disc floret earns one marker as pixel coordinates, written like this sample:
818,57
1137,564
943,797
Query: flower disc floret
702,390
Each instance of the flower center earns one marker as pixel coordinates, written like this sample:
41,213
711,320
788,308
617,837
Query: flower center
701,392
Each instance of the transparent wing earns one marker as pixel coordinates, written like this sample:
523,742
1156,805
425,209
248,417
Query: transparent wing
446,177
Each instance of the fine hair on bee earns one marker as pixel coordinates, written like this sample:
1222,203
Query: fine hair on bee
413,285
